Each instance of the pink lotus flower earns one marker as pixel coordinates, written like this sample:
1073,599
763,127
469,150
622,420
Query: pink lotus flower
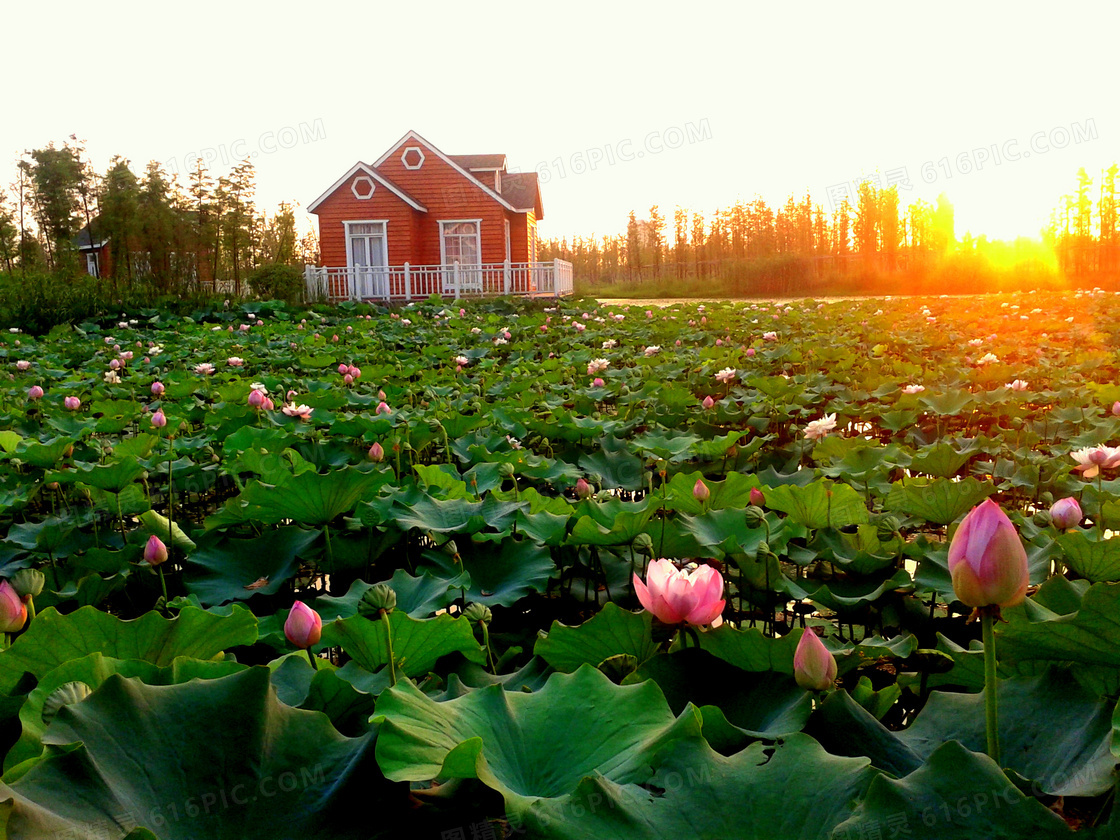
597,366
726,375
1092,460
204,368
814,667
376,452
597,382
913,389
114,364
770,336
303,627
256,398
159,419
235,361
1018,385
355,372
1115,407
343,369
35,392
1065,513
583,489
155,552
303,412
757,497
674,595
708,402
23,364
383,408
461,361
348,380
72,403
157,389
13,612
817,429
750,351
987,560
244,328
700,491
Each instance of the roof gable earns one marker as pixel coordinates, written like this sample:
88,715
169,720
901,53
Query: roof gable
413,137
376,176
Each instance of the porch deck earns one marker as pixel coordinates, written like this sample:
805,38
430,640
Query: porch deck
416,282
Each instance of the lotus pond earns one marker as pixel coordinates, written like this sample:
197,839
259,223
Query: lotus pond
513,472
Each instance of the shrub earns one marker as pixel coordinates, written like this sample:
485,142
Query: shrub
277,282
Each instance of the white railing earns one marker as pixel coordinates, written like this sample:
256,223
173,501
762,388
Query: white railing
416,282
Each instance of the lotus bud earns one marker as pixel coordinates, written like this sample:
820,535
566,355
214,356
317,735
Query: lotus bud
35,392
583,489
155,552
888,527
700,491
157,389
256,398
1065,513
347,380
477,612
755,516
303,627
72,403
1116,409
757,497
355,372
1041,518
159,419
65,695
13,611
267,405
814,667
377,453
987,560
343,369
505,469
28,583
643,544
378,597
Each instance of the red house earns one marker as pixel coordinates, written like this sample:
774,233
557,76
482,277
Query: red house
419,222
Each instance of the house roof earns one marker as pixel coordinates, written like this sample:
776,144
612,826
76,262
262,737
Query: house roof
522,190
480,161
366,169
414,137
84,241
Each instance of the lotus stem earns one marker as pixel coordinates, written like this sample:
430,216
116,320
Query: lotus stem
991,712
389,642
311,658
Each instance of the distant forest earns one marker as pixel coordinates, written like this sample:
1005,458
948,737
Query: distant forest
874,245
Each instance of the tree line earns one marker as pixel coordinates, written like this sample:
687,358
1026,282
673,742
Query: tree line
161,234
1084,234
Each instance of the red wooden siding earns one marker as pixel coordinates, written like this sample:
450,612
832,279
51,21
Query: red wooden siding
342,206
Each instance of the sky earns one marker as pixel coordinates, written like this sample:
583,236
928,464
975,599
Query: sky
617,105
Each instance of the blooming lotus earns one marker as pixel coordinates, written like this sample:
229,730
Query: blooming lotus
814,667
13,612
23,364
1092,460
913,389
204,368
597,366
1065,513
987,359
726,375
653,350
303,412
987,560
111,377
817,429
1017,385
674,595
770,336
383,408
304,626
235,361
610,344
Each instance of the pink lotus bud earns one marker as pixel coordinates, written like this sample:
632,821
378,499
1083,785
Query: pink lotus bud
348,380
34,392
260,323
598,382
256,398
383,408
244,328
1115,405
377,453
355,371
159,419
13,612
1065,513
700,491
23,364
292,396
72,403
462,312
343,368
583,489
708,402
267,405
814,667
676,596
381,396
507,335
114,364
719,342
155,552
334,337
750,351
986,559
757,497
303,627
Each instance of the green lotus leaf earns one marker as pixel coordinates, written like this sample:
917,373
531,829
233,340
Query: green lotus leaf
220,758
53,638
236,570
939,500
308,498
610,632
417,643
821,504
1094,560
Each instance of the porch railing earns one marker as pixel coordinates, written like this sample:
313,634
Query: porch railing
416,282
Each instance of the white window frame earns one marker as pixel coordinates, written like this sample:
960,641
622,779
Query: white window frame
509,241
379,274
443,242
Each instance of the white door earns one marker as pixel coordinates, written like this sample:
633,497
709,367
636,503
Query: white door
370,268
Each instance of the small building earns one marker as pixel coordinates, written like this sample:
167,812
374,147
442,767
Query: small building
418,222
93,251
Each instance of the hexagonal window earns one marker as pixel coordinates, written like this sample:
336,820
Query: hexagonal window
359,185
412,157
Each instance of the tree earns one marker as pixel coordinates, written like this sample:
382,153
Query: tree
158,220
55,177
633,247
656,237
866,228
120,217
943,234
680,236
9,234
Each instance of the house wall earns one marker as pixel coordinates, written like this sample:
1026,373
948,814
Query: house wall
342,206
